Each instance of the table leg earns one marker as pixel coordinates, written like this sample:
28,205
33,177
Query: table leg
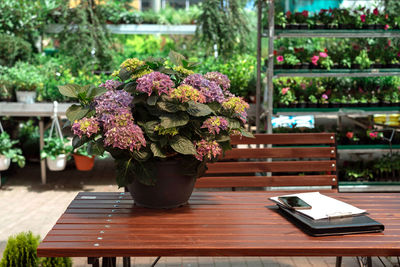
338,261
365,261
94,261
109,262
42,161
126,262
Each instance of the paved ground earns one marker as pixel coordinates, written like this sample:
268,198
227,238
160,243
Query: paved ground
25,205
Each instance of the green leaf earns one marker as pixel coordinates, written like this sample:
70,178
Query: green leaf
152,100
182,145
96,91
96,148
124,74
246,133
76,112
157,152
130,87
70,90
141,155
174,120
125,171
223,138
149,126
198,109
145,172
234,124
176,58
214,106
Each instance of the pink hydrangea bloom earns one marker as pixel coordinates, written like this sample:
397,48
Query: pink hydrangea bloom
207,149
111,84
112,100
154,81
219,78
215,124
323,54
185,93
285,90
85,126
238,105
314,60
211,90
121,132
279,58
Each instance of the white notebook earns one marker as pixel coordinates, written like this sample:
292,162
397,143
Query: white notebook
323,207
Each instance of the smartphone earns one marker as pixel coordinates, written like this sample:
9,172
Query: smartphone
294,202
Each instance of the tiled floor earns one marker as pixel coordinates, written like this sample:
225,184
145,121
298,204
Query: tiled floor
25,205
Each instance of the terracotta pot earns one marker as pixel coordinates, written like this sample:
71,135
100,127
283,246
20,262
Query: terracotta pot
57,164
172,188
83,163
4,163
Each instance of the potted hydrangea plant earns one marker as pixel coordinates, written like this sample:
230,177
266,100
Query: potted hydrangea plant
8,153
161,122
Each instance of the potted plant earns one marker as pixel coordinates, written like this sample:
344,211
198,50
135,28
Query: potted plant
84,160
161,122
55,151
8,153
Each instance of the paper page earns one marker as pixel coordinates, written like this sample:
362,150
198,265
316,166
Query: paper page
323,207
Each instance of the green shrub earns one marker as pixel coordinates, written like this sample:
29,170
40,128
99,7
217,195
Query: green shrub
56,262
12,49
21,251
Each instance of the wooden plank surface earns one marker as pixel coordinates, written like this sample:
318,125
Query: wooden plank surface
213,224
286,139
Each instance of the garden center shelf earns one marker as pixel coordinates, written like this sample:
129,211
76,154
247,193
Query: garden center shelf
356,33
337,111
366,149
336,72
137,29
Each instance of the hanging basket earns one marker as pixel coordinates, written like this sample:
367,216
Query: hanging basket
4,163
57,164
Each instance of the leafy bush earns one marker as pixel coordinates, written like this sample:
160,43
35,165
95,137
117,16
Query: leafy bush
54,147
25,77
7,149
13,49
21,251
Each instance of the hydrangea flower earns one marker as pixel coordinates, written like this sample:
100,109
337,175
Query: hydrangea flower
121,132
113,100
185,92
207,149
219,78
209,89
141,73
182,70
194,80
111,84
131,64
85,126
155,81
215,124
237,105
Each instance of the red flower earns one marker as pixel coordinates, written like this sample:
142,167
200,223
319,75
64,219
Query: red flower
386,16
376,12
386,27
275,52
305,13
349,135
362,17
389,42
326,50
288,14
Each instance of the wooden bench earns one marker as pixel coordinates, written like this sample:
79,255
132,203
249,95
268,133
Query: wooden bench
297,160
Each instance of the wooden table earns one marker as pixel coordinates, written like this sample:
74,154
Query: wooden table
213,224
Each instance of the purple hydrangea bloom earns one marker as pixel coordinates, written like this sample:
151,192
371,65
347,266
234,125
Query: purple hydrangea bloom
111,84
207,149
219,78
215,124
85,126
155,81
121,132
113,100
209,89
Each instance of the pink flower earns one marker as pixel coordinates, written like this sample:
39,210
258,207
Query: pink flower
305,13
349,135
362,17
303,86
323,54
285,90
314,60
373,134
325,96
279,58
376,12
386,27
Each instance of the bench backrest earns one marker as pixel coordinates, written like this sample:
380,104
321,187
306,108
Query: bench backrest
296,160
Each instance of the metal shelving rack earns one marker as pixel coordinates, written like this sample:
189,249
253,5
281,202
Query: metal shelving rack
272,34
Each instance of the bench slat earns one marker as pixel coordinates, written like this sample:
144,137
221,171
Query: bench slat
262,181
279,152
276,166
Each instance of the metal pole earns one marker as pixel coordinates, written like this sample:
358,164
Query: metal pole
270,71
42,161
259,82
